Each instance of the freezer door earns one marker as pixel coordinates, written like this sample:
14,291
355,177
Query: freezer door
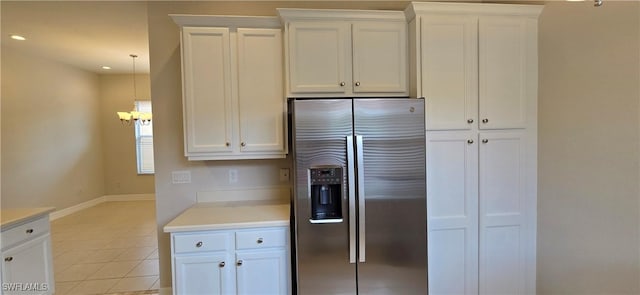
392,215
325,252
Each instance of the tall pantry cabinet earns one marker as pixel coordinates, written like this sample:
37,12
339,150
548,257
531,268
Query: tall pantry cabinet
476,65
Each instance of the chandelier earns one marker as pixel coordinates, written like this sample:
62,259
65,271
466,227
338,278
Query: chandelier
127,117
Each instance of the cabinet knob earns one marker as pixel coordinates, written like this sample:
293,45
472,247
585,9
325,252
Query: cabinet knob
342,84
470,121
221,264
239,263
227,144
470,141
8,259
259,241
243,144
485,140
485,121
29,231
357,83
199,244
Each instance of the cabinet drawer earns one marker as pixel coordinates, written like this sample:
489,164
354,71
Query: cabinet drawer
25,231
255,239
201,242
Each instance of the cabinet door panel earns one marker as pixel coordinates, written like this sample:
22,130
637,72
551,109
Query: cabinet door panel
203,274
262,272
30,262
502,212
380,57
260,91
207,89
503,57
452,212
450,71
319,53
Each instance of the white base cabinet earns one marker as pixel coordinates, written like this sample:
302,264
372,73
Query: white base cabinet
243,261
476,65
27,262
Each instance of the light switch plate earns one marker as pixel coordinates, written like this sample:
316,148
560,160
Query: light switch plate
183,176
233,176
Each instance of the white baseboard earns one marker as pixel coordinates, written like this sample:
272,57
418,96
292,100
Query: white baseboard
75,208
130,197
108,198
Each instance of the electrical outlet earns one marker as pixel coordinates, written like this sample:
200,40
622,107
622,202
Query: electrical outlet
233,176
181,176
284,174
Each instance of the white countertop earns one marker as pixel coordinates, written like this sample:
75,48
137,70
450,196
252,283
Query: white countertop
11,217
228,215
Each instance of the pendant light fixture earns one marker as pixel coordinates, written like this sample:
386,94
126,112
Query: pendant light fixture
127,117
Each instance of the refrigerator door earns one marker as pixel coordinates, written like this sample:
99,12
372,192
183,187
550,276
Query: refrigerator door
325,251
392,216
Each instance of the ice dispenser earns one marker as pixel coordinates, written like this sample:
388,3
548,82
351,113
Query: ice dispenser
325,189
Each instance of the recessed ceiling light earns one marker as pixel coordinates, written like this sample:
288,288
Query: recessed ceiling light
106,67
18,37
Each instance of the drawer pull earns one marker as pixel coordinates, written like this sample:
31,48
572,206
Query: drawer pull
485,121
260,241
239,263
8,259
199,244
29,231
221,264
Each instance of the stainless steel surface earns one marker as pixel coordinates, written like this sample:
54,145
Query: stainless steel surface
395,195
361,210
352,199
470,141
381,147
322,250
469,121
485,140
221,264
485,121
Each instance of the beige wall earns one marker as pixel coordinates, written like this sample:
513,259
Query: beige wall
120,171
588,219
51,145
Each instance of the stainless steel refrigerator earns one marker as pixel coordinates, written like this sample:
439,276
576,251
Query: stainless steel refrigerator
359,199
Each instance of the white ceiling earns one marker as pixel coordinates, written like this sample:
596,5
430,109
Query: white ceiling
86,35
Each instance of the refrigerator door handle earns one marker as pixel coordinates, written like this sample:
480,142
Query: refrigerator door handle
361,205
351,177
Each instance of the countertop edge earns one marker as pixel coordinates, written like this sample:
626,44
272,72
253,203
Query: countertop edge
221,226
24,217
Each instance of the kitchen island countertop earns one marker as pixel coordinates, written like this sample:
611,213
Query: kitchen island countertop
229,215
16,216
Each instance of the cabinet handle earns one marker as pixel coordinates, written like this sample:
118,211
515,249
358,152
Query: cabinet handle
227,144
239,263
342,84
221,264
199,244
485,121
260,241
29,231
470,141
8,259
243,144
357,83
470,121
485,140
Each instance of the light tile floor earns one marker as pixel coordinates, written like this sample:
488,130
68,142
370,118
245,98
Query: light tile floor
109,248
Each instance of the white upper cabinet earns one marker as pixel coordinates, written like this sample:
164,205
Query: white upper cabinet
478,68
233,89
345,53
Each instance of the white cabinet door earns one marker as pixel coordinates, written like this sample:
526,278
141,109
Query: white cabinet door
319,57
262,272
210,274
452,212
261,100
503,72
502,212
449,54
29,263
207,90
380,57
